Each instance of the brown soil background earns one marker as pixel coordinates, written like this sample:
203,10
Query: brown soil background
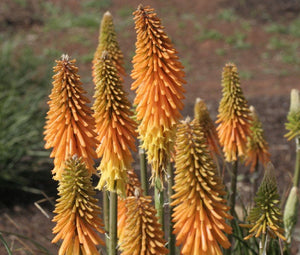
264,83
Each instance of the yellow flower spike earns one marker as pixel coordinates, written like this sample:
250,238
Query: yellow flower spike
266,215
200,211
208,128
142,234
69,127
108,42
114,126
158,83
77,219
234,116
133,183
257,147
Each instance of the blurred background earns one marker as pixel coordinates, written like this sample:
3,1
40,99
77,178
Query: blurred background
261,37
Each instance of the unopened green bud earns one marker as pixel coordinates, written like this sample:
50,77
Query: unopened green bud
291,213
295,101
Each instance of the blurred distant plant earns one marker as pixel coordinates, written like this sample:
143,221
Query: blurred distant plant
23,86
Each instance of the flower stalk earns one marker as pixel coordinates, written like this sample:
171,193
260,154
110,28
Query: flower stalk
113,230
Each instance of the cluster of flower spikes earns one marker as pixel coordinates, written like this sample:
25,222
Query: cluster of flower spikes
108,41
114,126
200,211
132,184
293,124
142,233
234,116
201,115
77,218
158,83
257,147
265,217
69,127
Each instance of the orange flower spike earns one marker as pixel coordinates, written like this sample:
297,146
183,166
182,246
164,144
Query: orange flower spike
208,128
115,129
69,126
257,147
132,184
77,218
158,83
108,41
142,234
200,211
234,116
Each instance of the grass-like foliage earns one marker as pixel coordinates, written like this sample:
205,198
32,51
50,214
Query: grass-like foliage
23,86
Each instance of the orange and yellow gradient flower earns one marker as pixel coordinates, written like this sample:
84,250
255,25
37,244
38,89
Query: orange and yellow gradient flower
133,183
200,211
114,126
158,83
234,116
77,219
142,234
69,128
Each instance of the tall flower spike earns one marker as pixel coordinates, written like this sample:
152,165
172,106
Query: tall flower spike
208,128
257,147
77,218
143,234
108,41
265,217
133,183
200,210
70,126
293,124
158,83
234,116
115,129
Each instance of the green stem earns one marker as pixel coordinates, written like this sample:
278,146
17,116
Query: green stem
113,223
233,187
297,163
232,200
159,201
171,236
262,245
106,217
143,166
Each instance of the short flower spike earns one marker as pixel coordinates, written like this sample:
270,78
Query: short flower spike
114,126
142,234
70,125
207,126
77,219
108,42
257,147
234,116
200,211
265,217
158,83
293,124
